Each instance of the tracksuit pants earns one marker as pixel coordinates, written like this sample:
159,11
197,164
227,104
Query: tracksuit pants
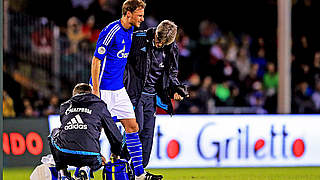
145,115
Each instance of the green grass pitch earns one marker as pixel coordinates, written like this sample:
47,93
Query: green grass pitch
289,173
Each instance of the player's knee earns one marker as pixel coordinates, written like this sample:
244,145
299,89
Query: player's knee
130,125
132,128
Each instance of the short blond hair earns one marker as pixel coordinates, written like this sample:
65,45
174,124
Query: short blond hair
132,5
166,32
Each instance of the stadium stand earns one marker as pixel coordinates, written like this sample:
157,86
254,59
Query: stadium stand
229,70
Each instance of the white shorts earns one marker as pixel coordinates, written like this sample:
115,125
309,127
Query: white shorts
118,103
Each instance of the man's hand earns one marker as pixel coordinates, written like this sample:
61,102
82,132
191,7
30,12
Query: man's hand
177,97
181,90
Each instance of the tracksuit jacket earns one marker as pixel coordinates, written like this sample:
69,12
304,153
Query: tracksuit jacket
82,119
138,67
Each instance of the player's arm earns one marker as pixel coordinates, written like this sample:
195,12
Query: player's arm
95,71
104,42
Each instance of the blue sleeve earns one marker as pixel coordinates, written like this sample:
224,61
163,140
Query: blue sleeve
105,41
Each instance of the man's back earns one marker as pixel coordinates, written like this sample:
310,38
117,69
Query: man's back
81,124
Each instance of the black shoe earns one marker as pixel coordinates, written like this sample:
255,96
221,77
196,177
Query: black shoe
84,173
150,176
65,175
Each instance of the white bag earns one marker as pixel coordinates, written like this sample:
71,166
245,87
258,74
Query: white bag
43,172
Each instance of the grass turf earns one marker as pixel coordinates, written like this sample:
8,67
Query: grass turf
288,173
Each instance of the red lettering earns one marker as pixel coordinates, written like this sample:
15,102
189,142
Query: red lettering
298,148
37,148
173,149
18,145
6,143
259,144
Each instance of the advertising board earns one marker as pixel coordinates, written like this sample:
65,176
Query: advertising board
233,141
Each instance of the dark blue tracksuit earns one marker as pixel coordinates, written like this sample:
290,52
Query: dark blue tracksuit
150,80
76,142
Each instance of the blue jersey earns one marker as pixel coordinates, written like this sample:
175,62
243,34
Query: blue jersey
112,49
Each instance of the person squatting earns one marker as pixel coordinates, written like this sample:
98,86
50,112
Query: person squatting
76,142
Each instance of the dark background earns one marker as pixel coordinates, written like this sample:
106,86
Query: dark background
258,18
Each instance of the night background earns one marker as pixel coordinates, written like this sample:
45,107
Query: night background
228,58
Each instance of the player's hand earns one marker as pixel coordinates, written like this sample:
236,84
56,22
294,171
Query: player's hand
96,92
177,97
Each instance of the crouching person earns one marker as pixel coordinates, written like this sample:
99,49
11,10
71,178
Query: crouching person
76,142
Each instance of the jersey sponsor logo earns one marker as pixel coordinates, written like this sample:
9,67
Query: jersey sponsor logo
71,110
75,123
122,54
101,50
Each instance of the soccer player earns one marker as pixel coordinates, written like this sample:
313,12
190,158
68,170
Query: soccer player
151,78
107,69
76,142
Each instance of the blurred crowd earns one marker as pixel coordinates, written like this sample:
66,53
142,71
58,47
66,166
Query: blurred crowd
242,71
223,68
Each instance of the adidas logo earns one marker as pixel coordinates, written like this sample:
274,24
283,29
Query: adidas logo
75,123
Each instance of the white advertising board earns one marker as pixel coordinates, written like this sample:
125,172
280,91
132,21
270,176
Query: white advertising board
232,141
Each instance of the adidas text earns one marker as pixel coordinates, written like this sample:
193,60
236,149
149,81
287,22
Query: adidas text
75,126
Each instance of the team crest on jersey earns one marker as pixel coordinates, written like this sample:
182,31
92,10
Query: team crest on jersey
101,50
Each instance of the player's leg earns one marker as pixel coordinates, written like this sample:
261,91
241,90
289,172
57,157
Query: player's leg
113,134
123,109
133,144
130,125
135,149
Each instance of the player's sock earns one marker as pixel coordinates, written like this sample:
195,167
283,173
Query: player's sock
135,150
